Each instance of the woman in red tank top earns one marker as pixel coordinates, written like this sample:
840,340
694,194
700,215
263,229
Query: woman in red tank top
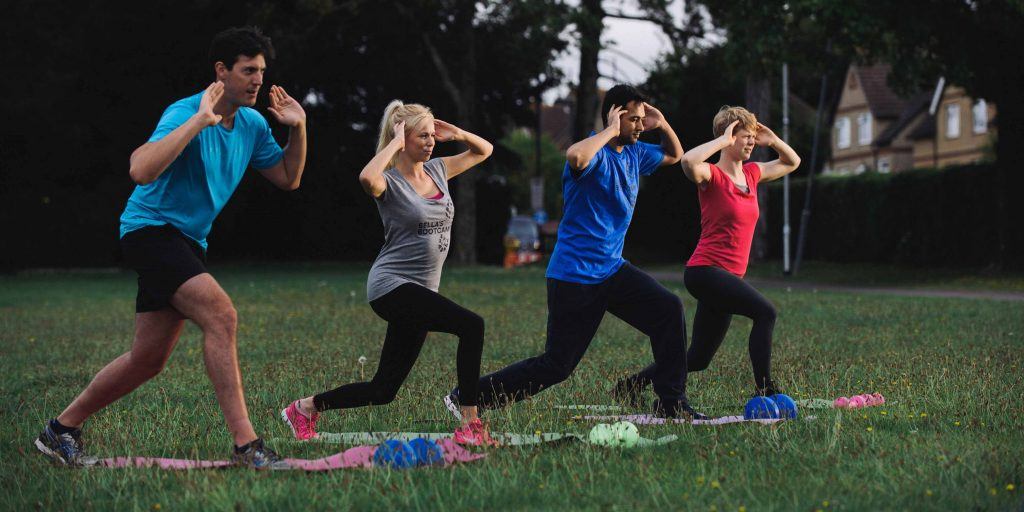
727,191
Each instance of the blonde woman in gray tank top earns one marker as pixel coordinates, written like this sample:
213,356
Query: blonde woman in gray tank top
412,196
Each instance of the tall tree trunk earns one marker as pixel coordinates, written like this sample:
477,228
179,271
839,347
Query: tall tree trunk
590,22
465,214
461,88
759,101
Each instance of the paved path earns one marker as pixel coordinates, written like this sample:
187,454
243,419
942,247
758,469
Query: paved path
901,292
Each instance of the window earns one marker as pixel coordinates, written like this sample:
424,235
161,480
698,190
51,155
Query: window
952,120
843,132
861,168
884,166
980,114
864,129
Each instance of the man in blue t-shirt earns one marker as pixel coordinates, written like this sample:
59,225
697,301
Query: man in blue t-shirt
186,173
587,275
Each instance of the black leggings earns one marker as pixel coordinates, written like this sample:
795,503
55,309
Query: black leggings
411,311
720,295
575,311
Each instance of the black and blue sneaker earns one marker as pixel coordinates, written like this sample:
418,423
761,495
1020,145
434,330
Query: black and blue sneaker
256,456
65,448
679,409
769,389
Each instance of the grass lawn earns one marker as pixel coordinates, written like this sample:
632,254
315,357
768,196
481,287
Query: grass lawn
950,438
902,276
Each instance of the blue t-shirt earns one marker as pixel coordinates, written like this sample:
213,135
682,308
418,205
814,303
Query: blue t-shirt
195,187
598,207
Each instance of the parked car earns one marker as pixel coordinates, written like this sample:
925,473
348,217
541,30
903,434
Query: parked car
522,241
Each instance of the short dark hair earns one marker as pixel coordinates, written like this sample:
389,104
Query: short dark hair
235,41
619,95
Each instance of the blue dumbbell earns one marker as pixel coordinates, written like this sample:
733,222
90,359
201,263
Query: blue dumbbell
394,454
761,408
428,452
787,406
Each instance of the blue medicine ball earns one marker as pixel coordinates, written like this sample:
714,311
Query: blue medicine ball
761,408
787,406
428,453
394,454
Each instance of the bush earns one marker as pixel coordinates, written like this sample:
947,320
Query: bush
921,217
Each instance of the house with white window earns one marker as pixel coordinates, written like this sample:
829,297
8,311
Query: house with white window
875,128
960,131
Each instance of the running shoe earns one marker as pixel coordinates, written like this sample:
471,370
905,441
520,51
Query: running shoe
302,427
769,390
451,402
256,456
680,409
474,433
66,449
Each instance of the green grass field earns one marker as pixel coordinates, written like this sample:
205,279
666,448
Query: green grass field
950,438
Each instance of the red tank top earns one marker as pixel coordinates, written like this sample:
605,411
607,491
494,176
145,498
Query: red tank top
728,216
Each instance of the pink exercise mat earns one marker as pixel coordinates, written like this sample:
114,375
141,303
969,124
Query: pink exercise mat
358,457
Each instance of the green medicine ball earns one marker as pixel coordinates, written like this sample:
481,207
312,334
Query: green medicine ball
602,435
626,434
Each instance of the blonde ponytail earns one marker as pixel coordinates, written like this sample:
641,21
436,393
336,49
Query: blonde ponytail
394,113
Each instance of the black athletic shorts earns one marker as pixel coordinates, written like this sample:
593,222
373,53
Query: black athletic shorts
164,258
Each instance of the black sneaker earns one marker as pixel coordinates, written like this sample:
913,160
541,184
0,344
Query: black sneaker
769,390
628,392
66,449
256,456
676,410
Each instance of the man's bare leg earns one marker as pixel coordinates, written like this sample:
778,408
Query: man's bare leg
204,302
156,334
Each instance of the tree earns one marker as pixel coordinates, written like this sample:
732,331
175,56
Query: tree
974,44
469,21
96,76
761,36
552,162
589,18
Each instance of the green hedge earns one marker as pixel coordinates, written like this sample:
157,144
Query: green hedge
921,217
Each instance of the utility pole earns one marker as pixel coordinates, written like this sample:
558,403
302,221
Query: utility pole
786,270
805,214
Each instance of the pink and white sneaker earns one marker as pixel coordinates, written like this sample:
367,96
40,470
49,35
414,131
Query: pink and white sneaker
304,428
474,433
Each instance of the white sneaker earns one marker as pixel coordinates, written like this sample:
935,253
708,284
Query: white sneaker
452,406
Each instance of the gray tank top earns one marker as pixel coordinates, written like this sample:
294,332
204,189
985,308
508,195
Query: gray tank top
417,233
